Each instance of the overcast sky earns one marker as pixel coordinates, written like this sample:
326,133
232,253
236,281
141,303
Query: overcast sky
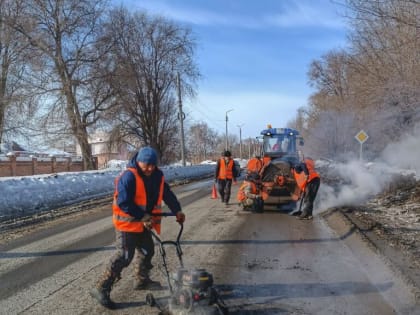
253,55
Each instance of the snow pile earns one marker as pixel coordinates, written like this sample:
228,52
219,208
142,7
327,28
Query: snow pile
26,195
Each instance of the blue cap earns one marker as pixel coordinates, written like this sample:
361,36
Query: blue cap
147,155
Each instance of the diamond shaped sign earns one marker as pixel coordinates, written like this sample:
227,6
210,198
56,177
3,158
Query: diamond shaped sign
361,136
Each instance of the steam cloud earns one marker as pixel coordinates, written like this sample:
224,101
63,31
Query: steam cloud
361,180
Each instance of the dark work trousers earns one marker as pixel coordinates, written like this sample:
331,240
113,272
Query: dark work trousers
225,186
128,244
310,195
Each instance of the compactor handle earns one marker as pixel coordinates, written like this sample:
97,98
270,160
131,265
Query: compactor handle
181,229
176,244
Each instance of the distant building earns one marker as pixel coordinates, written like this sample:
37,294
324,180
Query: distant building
103,150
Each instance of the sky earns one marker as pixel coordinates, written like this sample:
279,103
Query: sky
253,56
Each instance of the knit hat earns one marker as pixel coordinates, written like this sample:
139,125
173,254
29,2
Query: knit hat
227,153
147,155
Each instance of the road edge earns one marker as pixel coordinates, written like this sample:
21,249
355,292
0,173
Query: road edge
344,224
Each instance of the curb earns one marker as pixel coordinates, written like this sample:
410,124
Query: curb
347,227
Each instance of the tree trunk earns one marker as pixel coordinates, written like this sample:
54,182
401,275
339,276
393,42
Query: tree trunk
78,128
80,132
2,112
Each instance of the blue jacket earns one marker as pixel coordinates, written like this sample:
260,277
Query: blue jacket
127,187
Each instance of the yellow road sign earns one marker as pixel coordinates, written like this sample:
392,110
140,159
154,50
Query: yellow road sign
361,136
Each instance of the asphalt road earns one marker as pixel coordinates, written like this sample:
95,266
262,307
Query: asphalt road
266,263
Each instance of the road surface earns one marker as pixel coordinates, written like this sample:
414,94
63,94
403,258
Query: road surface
266,263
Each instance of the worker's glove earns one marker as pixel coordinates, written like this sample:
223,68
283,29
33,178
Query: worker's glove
215,180
180,217
147,221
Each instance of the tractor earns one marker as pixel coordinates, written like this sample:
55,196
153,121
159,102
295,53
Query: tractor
279,185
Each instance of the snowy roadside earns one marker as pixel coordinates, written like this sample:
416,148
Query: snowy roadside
27,195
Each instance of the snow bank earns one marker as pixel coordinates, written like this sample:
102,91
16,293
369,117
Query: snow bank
26,195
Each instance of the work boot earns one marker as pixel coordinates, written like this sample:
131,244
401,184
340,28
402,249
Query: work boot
304,216
102,296
308,217
102,290
147,284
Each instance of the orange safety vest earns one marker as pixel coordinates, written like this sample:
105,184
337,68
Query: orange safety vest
125,222
266,160
302,179
241,192
254,165
226,171
310,165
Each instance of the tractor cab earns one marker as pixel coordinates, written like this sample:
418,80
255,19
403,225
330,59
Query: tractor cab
280,143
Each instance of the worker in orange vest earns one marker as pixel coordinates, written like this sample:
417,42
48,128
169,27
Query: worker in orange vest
310,188
248,194
139,192
226,172
254,165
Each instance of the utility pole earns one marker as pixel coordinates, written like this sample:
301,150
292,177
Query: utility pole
227,144
240,141
181,117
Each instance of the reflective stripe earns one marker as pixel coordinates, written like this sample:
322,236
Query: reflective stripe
126,219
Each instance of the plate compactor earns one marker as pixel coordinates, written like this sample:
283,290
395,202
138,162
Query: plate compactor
191,290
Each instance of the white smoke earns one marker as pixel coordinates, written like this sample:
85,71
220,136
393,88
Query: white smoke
404,154
358,181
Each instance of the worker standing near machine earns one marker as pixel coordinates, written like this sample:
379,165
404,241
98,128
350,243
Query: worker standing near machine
139,193
310,188
225,173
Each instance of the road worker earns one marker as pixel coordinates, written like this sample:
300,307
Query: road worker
248,194
254,165
226,172
139,193
309,188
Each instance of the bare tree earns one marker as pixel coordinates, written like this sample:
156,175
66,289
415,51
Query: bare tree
403,12
375,84
386,61
148,54
65,32
13,52
330,134
330,75
202,142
